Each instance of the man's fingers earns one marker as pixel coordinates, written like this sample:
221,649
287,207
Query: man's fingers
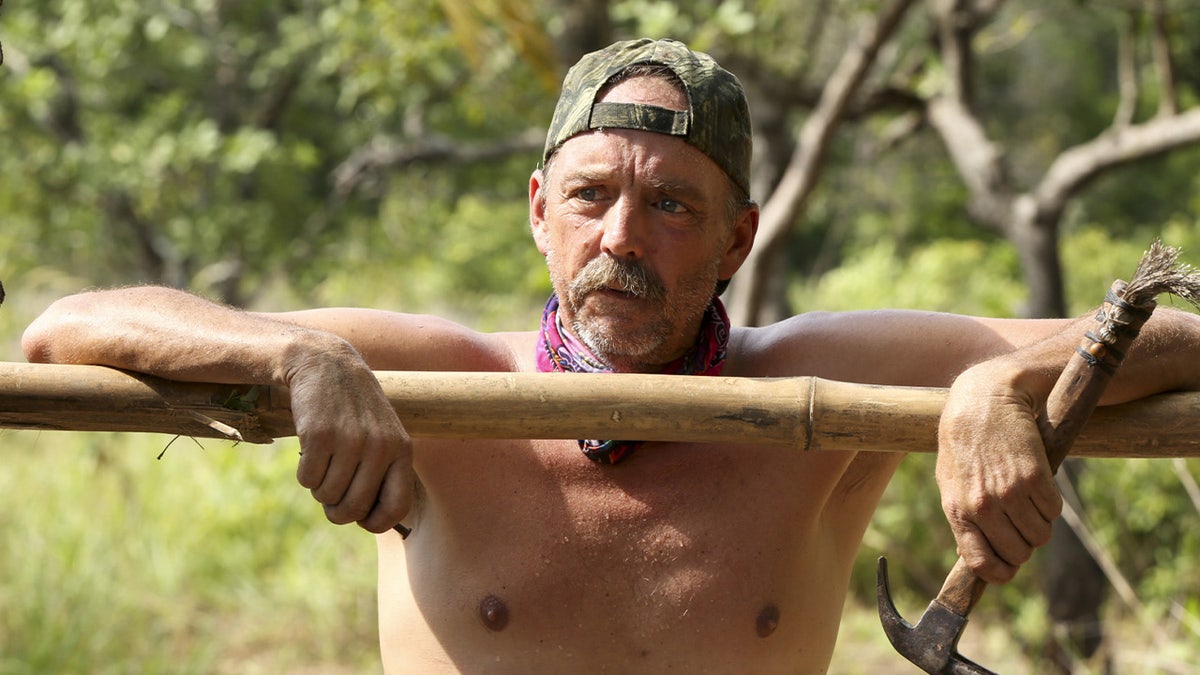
994,553
376,494
314,462
995,541
1035,524
354,503
338,483
395,500
1030,520
983,560
349,496
995,545
1047,498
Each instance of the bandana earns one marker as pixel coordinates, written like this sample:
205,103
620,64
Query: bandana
561,352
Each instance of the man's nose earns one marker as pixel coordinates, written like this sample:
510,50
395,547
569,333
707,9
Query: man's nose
624,230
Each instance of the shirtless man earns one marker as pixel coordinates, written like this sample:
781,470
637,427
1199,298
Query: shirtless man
532,556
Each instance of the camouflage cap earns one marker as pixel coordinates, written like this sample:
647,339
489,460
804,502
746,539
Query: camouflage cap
716,123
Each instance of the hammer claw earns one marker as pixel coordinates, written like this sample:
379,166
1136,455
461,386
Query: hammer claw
963,666
887,609
932,643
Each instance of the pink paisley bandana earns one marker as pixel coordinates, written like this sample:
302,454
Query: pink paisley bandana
561,352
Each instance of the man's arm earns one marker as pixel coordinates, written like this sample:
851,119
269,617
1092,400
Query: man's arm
360,472
888,347
997,489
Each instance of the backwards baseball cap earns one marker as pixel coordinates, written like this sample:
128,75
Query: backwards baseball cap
717,121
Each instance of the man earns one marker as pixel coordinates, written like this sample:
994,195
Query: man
532,556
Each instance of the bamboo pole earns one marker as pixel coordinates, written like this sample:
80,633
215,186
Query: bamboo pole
807,413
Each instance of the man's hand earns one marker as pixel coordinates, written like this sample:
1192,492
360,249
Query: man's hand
356,457
997,488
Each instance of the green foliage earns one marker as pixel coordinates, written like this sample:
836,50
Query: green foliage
115,562
970,277
472,260
1094,258
703,23
1139,512
195,145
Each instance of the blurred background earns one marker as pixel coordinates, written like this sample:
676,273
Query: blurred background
1008,158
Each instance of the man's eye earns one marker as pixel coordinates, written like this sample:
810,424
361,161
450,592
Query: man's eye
671,206
588,194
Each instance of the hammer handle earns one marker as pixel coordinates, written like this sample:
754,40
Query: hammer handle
1071,401
1078,389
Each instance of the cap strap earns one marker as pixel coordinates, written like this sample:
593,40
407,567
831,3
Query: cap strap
639,116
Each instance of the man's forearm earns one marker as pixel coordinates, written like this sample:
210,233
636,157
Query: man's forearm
1164,357
175,335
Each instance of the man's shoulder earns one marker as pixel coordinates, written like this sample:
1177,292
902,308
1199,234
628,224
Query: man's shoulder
883,346
456,347
519,347
799,345
851,346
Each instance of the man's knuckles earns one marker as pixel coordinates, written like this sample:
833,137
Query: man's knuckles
383,517
351,509
986,565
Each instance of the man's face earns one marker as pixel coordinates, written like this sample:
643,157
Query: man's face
636,231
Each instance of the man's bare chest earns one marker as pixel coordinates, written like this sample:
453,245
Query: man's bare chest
666,521
546,546
661,483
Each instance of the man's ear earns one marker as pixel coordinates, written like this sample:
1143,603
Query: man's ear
537,210
741,240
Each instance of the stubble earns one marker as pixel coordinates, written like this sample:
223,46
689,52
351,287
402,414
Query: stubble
617,339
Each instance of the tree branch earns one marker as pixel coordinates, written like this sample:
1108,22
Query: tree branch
1127,79
1075,166
980,163
367,164
804,167
1160,44
274,103
957,23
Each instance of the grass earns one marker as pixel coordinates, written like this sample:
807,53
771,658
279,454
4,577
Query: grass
209,560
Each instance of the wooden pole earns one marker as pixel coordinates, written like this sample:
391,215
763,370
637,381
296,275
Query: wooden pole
807,413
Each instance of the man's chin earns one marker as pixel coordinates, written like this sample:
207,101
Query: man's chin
616,339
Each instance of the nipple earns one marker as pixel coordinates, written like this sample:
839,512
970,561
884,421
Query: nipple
768,621
494,613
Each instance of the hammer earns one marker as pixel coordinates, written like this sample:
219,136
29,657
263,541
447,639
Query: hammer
932,644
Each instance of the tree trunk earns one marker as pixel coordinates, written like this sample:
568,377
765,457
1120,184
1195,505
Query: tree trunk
1035,236
586,27
749,296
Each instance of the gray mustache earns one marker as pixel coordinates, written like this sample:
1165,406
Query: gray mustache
626,275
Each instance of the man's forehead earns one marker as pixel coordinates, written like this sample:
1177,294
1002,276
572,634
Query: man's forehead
663,162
